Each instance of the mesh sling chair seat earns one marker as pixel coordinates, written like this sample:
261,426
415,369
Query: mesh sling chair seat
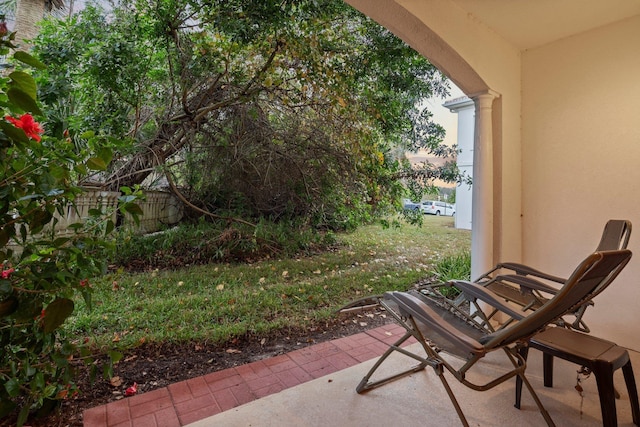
530,288
440,327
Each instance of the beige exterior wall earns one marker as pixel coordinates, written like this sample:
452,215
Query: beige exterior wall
581,160
565,138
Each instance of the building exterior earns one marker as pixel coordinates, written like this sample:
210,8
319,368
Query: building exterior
465,109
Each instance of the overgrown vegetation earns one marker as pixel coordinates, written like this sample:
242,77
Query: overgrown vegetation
215,303
205,242
297,109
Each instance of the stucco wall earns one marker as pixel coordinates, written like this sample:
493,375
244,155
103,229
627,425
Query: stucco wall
581,160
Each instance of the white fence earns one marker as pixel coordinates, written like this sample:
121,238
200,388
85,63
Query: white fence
159,208
90,199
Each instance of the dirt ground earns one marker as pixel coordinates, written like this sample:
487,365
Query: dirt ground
157,366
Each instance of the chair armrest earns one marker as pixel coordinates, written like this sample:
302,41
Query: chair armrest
422,313
485,295
527,282
525,270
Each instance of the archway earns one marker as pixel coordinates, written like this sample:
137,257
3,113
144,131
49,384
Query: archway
486,230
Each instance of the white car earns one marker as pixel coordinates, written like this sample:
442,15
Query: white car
432,207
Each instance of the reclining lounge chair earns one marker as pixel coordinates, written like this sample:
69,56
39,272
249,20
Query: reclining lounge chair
441,327
530,288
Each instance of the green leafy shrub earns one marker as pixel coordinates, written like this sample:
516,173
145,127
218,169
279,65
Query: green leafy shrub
42,272
453,267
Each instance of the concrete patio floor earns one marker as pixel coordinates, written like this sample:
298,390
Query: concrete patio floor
315,386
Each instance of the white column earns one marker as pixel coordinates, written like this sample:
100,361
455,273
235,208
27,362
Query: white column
482,214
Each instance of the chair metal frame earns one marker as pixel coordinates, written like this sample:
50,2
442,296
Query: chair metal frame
530,288
440,326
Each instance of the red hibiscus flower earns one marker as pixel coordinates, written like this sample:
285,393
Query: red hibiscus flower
7,273
28,125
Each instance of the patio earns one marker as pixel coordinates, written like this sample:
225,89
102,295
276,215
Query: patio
315,386
546,119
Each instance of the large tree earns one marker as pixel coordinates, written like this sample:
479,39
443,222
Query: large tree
276,107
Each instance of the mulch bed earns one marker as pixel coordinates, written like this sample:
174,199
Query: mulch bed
157,366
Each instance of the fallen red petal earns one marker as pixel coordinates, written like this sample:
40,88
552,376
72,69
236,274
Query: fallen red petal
131,390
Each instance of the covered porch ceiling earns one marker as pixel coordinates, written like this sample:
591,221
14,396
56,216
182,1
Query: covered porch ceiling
527,24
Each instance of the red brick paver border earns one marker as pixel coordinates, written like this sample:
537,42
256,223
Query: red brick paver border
192,400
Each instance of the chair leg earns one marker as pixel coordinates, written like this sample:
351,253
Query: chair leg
524,352
547,368
629,379
521,356
541,408
440,371
606,392
365,385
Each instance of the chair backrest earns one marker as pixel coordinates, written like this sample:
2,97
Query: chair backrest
590,278
615,235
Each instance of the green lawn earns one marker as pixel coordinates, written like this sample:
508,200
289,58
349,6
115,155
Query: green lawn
217,302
